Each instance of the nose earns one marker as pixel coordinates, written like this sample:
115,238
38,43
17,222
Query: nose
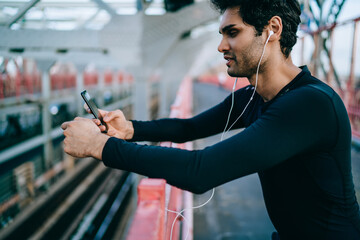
223,45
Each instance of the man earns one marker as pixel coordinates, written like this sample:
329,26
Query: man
297,135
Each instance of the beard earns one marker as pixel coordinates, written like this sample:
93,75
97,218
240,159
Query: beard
245,63
242,68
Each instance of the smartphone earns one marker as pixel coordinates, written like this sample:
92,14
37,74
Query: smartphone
92,106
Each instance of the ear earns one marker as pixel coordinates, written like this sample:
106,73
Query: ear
275,25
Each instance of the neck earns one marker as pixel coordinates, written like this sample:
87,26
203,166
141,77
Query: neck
275,76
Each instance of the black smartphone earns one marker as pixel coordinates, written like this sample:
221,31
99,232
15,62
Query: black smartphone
92,106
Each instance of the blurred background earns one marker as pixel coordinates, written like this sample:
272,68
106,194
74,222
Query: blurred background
130,55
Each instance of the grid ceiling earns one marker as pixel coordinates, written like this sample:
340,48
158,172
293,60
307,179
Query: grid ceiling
72,14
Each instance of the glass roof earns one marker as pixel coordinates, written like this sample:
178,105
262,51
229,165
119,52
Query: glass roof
95,14
70,14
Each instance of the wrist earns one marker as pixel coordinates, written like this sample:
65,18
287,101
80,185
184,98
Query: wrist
130,131
97,149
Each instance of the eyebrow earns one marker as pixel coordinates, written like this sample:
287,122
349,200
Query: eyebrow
226,28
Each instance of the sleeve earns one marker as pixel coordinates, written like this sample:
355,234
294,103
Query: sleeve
297,123
178,130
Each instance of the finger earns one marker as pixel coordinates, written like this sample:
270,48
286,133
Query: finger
66,133
102,128
112,115
67,150
64,125
102,112
97,121
81,119
86,107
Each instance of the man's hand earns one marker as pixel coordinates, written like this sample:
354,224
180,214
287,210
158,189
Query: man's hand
83,138
116,124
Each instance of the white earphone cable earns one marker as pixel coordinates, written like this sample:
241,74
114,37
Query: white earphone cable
256,83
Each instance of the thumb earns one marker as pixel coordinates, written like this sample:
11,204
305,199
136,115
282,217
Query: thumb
103,113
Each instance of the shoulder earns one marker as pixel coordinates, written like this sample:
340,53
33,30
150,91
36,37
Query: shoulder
313,94
320,88
309,100
314,104
312,87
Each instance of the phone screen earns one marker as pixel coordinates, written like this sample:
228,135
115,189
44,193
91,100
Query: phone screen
91,104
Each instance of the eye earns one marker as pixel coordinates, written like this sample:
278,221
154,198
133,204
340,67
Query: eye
232,33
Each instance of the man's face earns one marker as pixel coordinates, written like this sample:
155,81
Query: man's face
240,46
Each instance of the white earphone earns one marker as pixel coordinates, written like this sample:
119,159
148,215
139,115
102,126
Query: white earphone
270,33
251,98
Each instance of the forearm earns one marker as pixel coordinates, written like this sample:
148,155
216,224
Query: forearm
154,162
195,171
254,149
174,130
180,130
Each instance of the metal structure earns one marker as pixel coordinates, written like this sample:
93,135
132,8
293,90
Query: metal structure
145,56
319,22
138,43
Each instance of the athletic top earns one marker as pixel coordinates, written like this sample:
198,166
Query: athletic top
299,143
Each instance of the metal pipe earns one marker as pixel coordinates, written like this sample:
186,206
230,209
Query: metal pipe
115,206
21,12
101,4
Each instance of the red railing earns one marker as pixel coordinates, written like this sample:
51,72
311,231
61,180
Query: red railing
160,206
17,80
223,80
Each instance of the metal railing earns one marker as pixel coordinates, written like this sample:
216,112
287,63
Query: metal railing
160,206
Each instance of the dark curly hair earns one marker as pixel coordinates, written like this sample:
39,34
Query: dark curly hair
257,13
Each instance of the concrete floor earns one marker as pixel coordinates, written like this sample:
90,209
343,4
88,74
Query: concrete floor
237,210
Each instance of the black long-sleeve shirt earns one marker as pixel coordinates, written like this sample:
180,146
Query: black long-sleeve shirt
299,143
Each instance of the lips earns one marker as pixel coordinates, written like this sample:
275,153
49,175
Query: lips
229,60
